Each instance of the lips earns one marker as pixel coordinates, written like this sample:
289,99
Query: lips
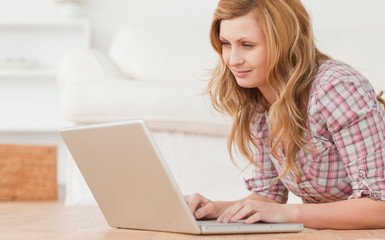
240,73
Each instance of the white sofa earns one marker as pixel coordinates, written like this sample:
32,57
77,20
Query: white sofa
157,72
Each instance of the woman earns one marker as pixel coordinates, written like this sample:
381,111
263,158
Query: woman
308,123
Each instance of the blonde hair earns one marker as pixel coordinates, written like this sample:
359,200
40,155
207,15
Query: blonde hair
292,63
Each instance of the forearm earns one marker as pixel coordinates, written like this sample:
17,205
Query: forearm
348,214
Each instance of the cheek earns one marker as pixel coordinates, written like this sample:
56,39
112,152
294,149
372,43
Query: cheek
258,61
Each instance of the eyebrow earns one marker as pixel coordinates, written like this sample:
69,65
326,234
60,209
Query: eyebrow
239,40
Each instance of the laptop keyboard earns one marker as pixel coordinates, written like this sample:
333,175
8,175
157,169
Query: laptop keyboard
215,223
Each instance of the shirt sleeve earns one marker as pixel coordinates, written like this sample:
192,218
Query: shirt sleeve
355,121
262,180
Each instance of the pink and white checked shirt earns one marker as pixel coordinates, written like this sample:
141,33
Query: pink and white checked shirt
348,125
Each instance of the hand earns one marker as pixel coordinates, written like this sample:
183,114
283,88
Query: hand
201,207
254,211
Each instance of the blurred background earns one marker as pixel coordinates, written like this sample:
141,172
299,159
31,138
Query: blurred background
19,23
35,35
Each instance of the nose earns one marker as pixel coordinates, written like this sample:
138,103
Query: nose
236,57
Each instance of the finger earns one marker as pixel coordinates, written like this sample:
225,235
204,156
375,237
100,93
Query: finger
253,218
194,201
204,211
243,213
229,212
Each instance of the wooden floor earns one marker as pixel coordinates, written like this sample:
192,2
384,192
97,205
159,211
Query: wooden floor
54,221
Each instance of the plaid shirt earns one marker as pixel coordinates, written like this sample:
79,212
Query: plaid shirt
347,124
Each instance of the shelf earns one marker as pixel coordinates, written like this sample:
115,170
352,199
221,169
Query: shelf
74,26
42,41
34,129
44,23
12,73
29,95
30,129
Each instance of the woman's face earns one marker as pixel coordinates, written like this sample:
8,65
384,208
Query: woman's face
244,50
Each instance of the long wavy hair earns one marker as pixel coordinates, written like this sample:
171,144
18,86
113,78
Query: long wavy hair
292,62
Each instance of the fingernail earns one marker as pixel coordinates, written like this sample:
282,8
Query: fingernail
197,214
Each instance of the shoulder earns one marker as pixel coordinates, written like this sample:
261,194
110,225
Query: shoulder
336,82
340,93
332,73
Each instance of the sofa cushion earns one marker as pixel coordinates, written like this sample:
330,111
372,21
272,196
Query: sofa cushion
171,51
86,65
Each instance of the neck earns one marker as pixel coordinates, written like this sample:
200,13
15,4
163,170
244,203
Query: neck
268,93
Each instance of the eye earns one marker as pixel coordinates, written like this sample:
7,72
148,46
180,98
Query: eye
245,45
225,44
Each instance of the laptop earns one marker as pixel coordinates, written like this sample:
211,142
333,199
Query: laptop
133,186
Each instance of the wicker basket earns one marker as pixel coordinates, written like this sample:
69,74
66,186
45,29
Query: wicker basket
28,172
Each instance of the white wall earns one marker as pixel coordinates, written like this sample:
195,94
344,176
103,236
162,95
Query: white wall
108,15
27,9
346,12
105,24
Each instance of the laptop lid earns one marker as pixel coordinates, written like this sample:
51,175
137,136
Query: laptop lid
132,184
127,177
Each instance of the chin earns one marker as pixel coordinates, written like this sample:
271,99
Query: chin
245,84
